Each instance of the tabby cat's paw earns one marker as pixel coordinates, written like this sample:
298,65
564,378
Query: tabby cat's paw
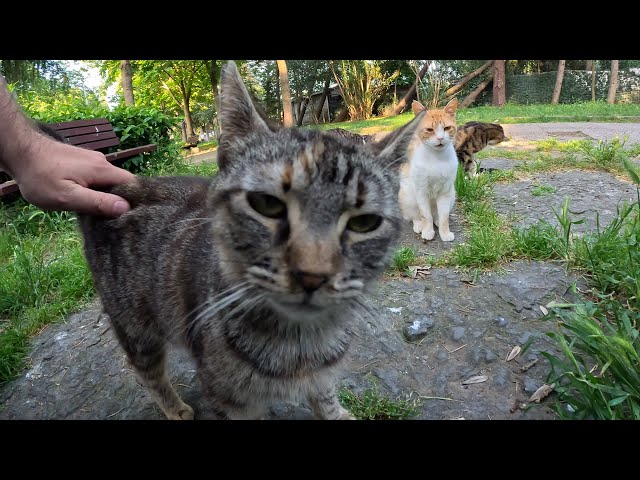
428,234
447,237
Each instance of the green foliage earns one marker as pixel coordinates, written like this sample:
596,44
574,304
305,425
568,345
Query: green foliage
362,83
553,144
134,126
597,373
371,405
44,276
606,155
541,190
403,257
541,241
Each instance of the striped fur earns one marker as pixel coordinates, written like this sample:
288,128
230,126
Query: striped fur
473,137
259,271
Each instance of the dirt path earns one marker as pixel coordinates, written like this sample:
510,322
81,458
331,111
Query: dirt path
425,336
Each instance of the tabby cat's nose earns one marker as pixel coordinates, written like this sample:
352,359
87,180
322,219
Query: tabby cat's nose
310,282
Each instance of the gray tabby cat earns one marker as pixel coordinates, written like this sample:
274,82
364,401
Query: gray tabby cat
259,271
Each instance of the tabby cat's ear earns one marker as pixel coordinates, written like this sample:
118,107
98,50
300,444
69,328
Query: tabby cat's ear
395,146
417,107
451,107
238,116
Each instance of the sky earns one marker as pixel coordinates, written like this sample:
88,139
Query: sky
92,78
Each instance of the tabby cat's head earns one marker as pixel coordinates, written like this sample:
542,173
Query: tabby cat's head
308,218
438,127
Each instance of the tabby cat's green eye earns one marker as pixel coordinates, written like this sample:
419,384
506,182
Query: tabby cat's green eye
364,223
267,205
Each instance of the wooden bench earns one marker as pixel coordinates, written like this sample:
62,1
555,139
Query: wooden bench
93,134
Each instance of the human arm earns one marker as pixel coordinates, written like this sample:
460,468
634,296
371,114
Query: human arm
55,175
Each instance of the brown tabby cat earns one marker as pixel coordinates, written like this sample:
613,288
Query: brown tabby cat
357,137
259,271
473,137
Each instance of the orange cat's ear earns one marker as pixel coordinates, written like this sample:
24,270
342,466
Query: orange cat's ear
450,108
417,107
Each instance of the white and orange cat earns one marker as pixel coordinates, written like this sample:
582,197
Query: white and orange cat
427,183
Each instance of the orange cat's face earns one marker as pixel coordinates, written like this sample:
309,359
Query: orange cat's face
438,127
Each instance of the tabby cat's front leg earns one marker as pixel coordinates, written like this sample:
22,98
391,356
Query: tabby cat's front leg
326,406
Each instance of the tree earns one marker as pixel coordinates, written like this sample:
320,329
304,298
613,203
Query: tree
412,91
287,107
593,80
127,82
214,67
555,98
361,83
466,79
499,94
613,81
178,78
473,95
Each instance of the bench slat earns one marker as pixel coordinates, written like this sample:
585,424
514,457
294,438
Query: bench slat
90,138
74,132
79,123
8,187
110,142
130,152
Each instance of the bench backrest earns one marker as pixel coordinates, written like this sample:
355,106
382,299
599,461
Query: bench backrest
93,134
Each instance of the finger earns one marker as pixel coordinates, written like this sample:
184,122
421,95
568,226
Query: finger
85,200
111,175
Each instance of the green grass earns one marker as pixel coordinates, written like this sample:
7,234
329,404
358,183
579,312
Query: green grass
44,277
403,257
553,144
43,273
204,146
503,153
509,113
541,190
371,405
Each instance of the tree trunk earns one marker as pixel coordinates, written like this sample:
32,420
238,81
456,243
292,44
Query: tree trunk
588,65
317,112
473,95
214,74
287,108
187,113
343,116
555,98
466,79
303,110
278,96
593,81
613,82
412,91
127,82
499,94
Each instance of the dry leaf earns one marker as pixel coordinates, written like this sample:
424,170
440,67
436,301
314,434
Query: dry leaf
544,310
514,353
416,271
542,393
476,379
528,365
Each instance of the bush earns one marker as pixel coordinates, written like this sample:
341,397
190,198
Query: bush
134,126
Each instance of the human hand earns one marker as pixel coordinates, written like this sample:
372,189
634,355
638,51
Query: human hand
58,176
